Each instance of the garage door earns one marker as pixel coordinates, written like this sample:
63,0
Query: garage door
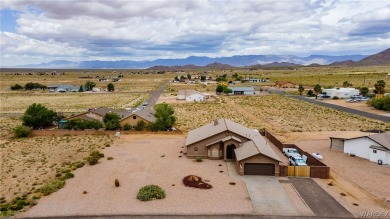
265,169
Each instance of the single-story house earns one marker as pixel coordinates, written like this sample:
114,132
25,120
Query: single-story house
230,141
375,147
190,96
126,117
68,88
285,84
253,80
242,90
341,92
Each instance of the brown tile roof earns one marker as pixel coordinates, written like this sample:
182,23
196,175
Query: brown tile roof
382,139
147,114
222,125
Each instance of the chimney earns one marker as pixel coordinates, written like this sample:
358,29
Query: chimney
215,122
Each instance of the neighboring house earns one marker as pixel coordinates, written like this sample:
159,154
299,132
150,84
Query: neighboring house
132,118
253,80
375,148
190,96
341,92
285,84
242,90
67,88
116,79
230,141
103,79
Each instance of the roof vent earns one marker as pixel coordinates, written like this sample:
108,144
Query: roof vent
215,122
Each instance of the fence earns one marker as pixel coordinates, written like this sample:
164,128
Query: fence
62,132
316,168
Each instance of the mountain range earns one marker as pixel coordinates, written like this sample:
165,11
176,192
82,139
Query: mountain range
256,61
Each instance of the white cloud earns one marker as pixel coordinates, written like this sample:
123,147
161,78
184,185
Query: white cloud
120,29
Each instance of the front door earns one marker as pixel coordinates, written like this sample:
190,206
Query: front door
230,152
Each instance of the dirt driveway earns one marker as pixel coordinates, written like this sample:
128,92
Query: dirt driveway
141,160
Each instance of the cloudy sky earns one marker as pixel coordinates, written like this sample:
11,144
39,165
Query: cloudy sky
38,31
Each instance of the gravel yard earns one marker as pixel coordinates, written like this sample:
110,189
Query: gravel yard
142,160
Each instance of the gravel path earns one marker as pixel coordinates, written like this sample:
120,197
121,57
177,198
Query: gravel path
137,163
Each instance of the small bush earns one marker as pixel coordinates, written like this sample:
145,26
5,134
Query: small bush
94,157
110,158
52,186
22,131
16,87
127,127
116,182
68,176
150,192
335,98
199,159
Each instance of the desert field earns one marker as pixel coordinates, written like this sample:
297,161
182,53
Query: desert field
276,113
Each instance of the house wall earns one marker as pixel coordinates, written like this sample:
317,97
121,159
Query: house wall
249,92
380,155
359,146
195,97
257,159
133,122
202,150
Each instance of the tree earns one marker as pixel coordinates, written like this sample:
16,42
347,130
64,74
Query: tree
81,89
310,93
38,116
203,78
346,84
300,89
111,121
380,87
110,87
177,78
140,125
364,91
165,118
219,88
317,89
189,76
89,85
227,90
31,86
16,87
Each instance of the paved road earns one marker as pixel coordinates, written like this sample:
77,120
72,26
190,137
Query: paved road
268,196
156,94
341,108
188,216
318,200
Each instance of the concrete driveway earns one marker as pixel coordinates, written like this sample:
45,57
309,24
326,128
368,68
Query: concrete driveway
319,201
268,196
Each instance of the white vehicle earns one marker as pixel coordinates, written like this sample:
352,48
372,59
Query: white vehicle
317,155
297,161
351,101
291,152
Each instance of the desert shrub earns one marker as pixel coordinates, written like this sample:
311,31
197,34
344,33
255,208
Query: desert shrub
335,98
52,186
116,182
79,164
127,127
195,182
67,176
199,159
110,158
22,131
31,86
380,103
111,121
94,157
16,87
140,125
150,192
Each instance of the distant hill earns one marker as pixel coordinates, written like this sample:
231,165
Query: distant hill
256,61
382,58
343,63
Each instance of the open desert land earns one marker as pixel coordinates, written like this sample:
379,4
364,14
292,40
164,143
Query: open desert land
362,106
141,160
353,180
276,113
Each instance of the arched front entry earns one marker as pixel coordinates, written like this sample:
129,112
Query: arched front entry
230,152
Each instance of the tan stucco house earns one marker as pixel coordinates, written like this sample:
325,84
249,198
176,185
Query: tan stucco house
230,141
132,118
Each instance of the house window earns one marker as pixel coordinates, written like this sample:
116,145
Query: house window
374,151
134,117
195,149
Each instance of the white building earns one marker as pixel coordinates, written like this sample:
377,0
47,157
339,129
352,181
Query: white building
375,148
242,90
190,96
341,92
